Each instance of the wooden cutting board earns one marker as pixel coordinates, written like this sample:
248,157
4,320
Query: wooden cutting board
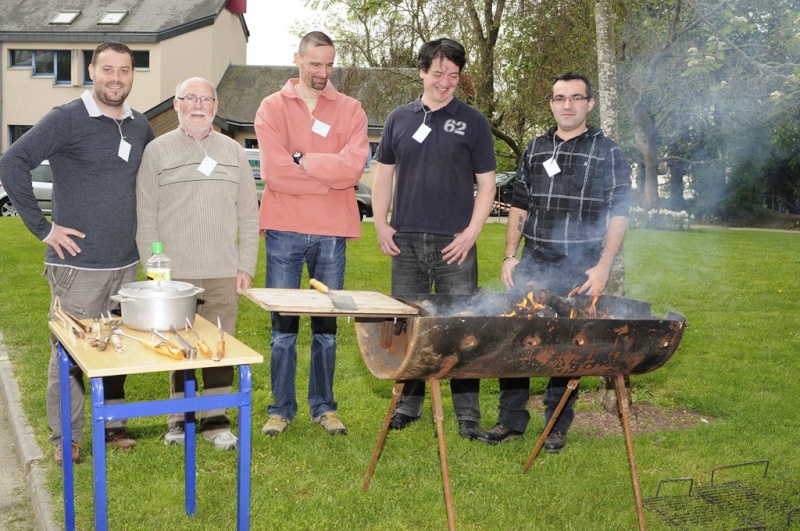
312,302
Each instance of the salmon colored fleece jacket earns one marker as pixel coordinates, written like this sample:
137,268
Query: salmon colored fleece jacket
320,200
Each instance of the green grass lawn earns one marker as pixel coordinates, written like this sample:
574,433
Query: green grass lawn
738,365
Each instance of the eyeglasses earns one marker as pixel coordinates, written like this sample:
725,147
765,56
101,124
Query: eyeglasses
559,100
191,98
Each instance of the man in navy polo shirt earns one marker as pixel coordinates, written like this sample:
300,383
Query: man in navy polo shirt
436,147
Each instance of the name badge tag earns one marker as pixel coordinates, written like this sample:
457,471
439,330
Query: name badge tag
124,150
207,166
321,128
551,167
422,133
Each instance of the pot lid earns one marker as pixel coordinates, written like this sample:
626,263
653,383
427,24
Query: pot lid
157,289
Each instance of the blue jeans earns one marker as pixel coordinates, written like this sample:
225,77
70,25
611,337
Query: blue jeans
324,256
419,269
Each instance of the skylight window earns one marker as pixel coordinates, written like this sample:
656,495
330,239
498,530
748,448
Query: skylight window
65,17
113,17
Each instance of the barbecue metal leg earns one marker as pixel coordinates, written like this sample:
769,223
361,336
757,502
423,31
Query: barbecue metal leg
619,385
571,386
398,388
438,417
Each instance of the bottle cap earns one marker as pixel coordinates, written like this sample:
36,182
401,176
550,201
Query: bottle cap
157,247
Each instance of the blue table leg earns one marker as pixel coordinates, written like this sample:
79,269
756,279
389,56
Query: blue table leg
99,455
190,446
66,438
245,411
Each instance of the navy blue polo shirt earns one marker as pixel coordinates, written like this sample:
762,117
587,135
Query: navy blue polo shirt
434,179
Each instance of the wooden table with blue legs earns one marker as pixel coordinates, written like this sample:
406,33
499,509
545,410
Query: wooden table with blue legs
137,359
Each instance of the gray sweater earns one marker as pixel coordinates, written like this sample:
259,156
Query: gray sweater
94,190
207,223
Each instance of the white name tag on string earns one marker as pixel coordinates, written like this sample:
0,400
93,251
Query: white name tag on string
321,128
124,150
551,167
422,133
207,166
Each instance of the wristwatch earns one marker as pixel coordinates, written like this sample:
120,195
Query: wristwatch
296,156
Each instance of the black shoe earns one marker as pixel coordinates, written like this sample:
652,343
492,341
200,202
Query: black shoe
555,442
469,429
401,421
499,434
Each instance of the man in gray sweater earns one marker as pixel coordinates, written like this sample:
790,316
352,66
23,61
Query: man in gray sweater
196,194
94,145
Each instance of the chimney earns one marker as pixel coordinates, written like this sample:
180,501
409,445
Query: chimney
237,7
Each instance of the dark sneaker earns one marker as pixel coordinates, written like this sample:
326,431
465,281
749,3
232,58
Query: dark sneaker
469,429
331,423
401,421
555,442
499,434
76,454
119,439
275,425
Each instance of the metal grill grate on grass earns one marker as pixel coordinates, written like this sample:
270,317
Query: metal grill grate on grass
739,503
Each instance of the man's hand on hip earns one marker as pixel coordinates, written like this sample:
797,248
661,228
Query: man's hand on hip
60,237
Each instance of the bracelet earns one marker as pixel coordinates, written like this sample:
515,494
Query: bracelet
510,256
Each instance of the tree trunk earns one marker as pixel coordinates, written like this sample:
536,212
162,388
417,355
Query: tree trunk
607,78
677,170
647,143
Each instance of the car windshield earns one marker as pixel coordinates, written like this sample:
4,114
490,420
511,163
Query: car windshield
504,178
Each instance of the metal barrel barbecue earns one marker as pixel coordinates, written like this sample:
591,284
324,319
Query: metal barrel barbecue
482,336
466,337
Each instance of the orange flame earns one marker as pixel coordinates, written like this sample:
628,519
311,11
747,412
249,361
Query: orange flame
528,307
533,303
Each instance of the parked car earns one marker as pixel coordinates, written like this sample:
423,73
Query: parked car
42,177
504,192
364,198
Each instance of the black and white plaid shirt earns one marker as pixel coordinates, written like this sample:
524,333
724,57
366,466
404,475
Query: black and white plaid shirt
568,212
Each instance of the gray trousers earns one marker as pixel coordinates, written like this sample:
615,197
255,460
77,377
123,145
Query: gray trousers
218,300
85,294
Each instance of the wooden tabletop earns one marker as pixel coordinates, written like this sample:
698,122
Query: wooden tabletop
137,359
312,302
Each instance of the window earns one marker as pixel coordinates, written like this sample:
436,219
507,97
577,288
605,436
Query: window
22,58
251,143
63,67
113,17
16,131
141,59
45,63
87,60
65,17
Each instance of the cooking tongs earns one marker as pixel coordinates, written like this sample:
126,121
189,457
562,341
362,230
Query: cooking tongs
160,347
202,346
189,350
221,341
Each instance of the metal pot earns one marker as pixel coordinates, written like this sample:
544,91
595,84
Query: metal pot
146,305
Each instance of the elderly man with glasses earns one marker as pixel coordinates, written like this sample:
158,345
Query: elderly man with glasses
571,202
196,194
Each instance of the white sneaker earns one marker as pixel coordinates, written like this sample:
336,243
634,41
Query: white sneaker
224,440
175,435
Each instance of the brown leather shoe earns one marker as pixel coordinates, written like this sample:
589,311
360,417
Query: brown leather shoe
76,453
119,439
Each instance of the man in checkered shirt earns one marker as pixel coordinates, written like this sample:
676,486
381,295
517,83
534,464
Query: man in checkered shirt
571,201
